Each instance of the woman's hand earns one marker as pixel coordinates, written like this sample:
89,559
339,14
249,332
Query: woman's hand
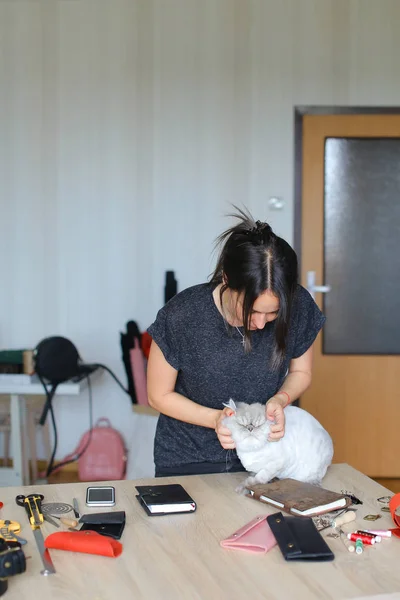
274,412
223,433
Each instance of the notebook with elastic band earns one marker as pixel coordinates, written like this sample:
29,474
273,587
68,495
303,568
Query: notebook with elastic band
298,498
165,499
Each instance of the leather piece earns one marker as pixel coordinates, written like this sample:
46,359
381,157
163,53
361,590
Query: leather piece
88,542
394,503
114,530
256,537
115,517
298,538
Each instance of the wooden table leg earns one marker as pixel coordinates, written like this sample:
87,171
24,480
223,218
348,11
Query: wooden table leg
18,440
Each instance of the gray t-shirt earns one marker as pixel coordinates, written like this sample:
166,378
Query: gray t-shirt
213,366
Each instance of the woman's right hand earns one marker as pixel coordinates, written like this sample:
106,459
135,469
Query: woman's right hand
223,433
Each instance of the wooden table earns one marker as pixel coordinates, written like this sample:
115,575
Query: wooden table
179,556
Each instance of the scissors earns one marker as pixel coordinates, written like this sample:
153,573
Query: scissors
26,502
33,506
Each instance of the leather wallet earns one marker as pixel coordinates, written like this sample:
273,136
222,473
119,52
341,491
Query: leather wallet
110,524
256,536
88,542
298,538
114,517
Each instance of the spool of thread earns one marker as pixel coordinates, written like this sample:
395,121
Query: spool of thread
27,362
385,533
376,537
354,537
359,547
347,517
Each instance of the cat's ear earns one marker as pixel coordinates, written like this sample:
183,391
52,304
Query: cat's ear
230,405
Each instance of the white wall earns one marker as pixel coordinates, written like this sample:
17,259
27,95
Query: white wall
126,129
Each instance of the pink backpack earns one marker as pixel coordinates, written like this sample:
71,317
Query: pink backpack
105,458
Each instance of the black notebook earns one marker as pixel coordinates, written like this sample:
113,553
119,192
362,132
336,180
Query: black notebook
165,499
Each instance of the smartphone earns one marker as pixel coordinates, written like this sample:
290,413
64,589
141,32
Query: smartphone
100,495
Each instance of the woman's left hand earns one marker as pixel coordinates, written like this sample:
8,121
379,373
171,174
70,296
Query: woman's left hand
274,412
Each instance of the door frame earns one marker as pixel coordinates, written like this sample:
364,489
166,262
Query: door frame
299,113
312,126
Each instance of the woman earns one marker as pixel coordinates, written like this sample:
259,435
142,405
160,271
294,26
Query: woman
246,335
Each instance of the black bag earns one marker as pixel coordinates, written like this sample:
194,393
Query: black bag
56,359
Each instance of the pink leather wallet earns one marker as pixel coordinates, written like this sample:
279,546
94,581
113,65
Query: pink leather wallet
255,536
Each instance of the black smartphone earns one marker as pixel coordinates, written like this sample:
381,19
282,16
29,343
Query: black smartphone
113,530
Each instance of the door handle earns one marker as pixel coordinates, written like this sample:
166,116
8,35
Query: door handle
312,288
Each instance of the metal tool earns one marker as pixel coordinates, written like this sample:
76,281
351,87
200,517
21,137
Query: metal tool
70,523
9,530
384,499
56,508
33,506
50,520
53,510
346,516
326,521
76,508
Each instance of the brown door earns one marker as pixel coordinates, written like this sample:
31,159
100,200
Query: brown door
351,244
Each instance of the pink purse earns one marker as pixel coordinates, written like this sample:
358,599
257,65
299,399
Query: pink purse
102,455
105,458
256,536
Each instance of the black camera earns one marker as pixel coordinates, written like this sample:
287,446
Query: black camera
12,562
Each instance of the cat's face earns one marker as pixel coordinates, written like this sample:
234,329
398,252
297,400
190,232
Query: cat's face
249,426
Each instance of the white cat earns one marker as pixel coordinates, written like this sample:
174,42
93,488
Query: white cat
304,453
